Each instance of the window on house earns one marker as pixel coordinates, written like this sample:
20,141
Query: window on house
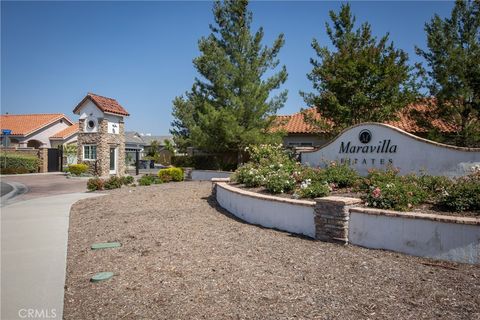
89,152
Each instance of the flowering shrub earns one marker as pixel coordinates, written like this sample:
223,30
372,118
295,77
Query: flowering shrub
280,182
277,171
250,175
463,195
397,195
376,177
342,175
268,154
315,189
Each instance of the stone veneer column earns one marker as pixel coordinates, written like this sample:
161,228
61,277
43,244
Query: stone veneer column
43,156
331,218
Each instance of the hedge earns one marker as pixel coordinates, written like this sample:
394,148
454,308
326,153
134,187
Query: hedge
77,169
171,174
17,163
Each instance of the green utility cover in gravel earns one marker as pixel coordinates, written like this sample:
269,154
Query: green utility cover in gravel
106,245
101,276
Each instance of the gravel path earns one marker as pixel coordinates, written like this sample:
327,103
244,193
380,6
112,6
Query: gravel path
184,258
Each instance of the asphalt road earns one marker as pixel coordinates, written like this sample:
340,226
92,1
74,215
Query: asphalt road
5,188
44,185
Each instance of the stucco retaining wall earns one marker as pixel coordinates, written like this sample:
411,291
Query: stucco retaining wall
337,219
295,216
207,175
426,235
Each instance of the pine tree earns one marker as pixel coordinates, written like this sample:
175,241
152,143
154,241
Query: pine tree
453,58
362,80
230,105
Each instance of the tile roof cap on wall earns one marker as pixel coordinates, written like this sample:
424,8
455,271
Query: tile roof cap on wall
295,123
105,104
66,133
26,124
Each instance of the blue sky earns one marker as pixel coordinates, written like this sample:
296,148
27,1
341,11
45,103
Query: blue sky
140,53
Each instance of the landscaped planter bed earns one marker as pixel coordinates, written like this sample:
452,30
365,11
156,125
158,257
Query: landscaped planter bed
182,257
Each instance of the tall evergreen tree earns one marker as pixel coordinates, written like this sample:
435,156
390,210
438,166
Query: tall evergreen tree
230,105
362,80
453,58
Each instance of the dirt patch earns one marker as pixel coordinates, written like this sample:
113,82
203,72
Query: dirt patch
184,258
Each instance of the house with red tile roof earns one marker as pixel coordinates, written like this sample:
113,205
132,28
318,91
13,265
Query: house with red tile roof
38,130
300,133
52,130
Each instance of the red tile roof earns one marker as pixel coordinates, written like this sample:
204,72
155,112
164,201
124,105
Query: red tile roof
105,104
295,123
65,133
25,124
407,123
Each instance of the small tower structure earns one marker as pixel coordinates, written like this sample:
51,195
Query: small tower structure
101,136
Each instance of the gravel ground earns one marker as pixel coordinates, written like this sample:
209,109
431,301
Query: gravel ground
184,258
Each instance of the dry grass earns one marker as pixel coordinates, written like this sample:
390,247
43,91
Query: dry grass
184,258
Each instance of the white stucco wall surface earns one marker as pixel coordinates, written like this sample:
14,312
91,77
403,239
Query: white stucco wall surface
419,237
207,175
391,146
43,135
294,218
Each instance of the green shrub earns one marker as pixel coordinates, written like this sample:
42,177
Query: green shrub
77,169
463,195
268,155
95,184
303,173
126,180
376,177
148,179
280,182
113,182
398,195
434,186
313,189
171,174
17,163
342,175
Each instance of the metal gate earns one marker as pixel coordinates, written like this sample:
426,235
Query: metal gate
55,160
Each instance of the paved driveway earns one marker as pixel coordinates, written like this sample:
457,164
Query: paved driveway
44,185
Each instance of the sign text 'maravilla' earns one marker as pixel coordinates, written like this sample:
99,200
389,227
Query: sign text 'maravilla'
383,146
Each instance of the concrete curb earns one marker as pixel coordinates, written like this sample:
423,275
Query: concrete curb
32,174
18,189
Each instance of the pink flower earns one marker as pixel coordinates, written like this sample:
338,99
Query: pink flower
376,193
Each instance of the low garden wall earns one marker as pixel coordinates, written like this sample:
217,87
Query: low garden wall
339,219
426,235
207,175
296,216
